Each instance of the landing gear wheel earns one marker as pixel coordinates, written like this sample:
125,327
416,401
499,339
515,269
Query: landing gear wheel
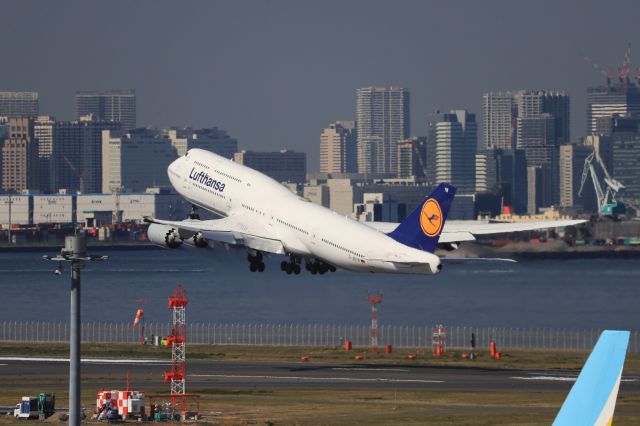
283,265
332,268
253,267
313,268
289,269
261,267
296,269
193,215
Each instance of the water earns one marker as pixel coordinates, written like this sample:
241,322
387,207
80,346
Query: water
594,293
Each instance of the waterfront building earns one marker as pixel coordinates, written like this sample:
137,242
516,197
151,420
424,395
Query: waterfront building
456,143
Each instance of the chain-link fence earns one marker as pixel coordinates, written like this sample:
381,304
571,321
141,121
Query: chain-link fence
311,334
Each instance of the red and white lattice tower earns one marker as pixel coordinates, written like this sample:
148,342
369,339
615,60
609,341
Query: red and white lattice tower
374,300
177,340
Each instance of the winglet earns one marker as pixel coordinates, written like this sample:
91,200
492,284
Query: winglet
422,228
592,398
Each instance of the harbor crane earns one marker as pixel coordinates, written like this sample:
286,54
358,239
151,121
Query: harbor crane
607,204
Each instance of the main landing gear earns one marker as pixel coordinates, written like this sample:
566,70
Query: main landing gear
292,266
318,267
255,262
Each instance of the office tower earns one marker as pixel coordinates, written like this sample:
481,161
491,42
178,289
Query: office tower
412,157
43,134
77,154
606,101
487,170
571,165
456,142
19,104
512,178
18,156
499,110
625,152
338,148
136,160
211,139
108,105
283,166
383,120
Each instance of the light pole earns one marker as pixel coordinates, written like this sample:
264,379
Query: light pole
74,251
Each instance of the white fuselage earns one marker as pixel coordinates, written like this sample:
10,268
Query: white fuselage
305,229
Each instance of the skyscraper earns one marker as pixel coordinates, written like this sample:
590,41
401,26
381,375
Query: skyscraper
338,148
211,139
108,105
136,160
606,101
43,134
499,110
412,157
19,104
77,154
516,119
283,166
571,165
18,156
456,144
383,121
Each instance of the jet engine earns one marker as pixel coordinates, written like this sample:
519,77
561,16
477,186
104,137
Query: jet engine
197,240
164,236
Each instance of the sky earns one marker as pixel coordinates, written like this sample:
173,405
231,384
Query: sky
274,73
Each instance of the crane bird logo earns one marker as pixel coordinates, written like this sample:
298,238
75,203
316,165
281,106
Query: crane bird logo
431,218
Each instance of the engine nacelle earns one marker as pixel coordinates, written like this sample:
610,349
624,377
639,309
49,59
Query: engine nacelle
197,240
164,236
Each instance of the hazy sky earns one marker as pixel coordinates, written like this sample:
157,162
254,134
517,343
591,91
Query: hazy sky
273,73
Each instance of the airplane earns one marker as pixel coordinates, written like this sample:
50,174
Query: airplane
592,399
264,216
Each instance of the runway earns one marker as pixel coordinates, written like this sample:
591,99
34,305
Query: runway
205,374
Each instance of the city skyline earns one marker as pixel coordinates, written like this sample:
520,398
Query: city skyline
235,65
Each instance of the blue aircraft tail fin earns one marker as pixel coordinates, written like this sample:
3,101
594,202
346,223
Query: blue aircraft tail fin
592,398
422,228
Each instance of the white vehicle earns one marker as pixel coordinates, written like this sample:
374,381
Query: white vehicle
27,409
266,217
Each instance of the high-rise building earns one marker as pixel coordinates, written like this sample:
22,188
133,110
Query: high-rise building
383,121
211,139
499,110
625,155
456,144
108,105
18,156
606,101
338,148
77,154
283,166
502,109
571,165
487,170
412,157
19,104
136,160
43,134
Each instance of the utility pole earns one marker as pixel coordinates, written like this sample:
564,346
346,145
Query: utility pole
9,230
75,252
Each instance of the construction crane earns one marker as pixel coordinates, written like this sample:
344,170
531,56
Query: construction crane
607,204
606,73
80,173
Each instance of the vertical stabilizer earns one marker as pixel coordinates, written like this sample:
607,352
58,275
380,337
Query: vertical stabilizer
422,228
592,398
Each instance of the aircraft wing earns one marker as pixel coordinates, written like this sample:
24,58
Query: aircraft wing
467,230
229,230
